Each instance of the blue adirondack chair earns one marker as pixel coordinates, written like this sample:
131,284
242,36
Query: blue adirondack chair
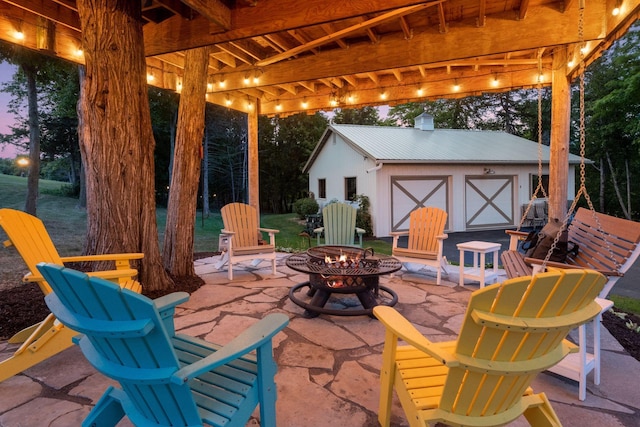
167,379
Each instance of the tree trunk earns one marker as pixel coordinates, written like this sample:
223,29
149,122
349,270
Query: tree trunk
183,196
116,138
34,141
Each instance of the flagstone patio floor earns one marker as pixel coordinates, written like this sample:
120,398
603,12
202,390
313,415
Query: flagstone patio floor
328,365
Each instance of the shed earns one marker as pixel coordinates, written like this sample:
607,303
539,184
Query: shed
481,178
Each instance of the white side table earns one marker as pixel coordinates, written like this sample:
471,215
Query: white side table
477,272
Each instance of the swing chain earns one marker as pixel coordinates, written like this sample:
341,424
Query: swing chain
583,188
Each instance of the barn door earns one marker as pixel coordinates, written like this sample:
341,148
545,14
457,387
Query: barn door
489,201
412,192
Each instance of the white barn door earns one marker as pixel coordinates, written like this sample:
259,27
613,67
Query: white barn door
412,192
489,201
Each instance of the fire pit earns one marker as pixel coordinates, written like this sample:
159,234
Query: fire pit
342,270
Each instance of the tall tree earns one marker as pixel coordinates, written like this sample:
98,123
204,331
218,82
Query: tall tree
285,146
33,68
357,116
185,178
116,137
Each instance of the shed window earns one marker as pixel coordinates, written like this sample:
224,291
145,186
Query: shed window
350,189
322,188
534,185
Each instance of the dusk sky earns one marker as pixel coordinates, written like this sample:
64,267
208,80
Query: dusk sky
6,73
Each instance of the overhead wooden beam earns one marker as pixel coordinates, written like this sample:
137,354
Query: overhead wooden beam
328,28
538,30
266,17
524,7
214,10
48,9
342,33
408,32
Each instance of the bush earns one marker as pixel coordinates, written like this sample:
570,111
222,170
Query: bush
363,217
306,206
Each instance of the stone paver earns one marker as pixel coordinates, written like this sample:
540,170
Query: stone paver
328,365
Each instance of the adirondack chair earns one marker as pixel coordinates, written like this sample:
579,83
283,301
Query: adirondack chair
623,238
42,340
339,225
425,240
244,236
167,379
510,333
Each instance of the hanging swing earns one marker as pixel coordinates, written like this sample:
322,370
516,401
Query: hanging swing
591,233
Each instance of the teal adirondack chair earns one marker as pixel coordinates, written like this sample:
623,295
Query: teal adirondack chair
339,225
167,379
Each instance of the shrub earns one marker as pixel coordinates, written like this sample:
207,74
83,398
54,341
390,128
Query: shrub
363,217
306,206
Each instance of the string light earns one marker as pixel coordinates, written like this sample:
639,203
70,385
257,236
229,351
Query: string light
304,103
278,106
420,91
18,35
227,100
150,77
495,82
456,86
209,86
383,95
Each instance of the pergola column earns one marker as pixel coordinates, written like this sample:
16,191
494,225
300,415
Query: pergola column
560,130
254,167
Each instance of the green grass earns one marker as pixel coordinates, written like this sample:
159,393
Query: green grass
66,223
628,304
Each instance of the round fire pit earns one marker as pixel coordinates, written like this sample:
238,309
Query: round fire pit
342,270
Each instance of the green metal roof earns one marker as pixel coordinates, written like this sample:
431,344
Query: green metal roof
410,145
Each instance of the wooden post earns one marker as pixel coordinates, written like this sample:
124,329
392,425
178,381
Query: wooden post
560,127
254,167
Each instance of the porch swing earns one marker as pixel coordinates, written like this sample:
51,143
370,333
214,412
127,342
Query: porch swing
587,229
591,232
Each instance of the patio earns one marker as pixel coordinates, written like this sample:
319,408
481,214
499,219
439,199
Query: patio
328,366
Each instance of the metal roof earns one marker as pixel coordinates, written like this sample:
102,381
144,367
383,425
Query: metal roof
410,145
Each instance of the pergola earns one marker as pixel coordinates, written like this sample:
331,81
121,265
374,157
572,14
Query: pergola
289,56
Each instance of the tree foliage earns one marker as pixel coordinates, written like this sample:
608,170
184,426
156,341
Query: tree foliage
285,145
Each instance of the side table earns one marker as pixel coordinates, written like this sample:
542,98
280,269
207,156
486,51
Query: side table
477,272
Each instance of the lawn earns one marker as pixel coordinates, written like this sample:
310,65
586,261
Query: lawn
66,223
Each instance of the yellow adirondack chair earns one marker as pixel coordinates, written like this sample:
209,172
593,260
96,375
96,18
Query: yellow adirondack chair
42,340
511,332
339,225
425,240
244,237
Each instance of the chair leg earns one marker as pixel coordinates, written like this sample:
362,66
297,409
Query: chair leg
48,339
541,414
107,412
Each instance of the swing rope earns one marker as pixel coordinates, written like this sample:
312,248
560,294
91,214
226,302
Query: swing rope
539,187
583,188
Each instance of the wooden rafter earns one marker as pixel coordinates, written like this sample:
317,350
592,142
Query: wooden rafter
214,10
342,33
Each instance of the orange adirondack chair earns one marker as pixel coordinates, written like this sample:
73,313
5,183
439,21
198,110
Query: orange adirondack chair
42,340
243,234
425,240
511,332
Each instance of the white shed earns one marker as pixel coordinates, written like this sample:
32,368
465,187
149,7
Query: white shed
481,178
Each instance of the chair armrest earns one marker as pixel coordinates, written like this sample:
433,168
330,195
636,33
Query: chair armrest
560,265
401,328
250,339
360,232
111,275
166,306
396,235
515,236
104,257
227,232
442,236
268,230
272,234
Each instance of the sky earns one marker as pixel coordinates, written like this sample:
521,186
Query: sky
6,73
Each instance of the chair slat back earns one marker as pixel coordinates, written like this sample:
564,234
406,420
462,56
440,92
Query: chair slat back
29,236
620,235
424,225
513,331
242,219
125,339
339,221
